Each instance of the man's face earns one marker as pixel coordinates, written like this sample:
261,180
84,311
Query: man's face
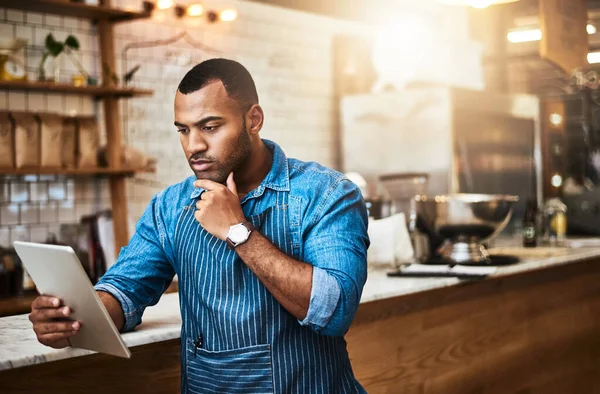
212,132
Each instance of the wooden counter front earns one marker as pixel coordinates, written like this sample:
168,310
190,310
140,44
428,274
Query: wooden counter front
537,332
152,369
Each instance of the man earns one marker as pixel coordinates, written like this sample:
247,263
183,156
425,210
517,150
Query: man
270,253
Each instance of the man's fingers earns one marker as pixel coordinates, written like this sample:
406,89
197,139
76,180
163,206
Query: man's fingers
231,184
207,184
207,196
56,327
46,315
50,313
56,340
45,301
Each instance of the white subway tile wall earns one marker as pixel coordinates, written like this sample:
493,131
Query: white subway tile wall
20,233
4,236
4,193
9,214
38,233
288,53
29,214
43,202
48,212
39,191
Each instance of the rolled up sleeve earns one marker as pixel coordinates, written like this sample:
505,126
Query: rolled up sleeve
324,297
336,245
143,270
129,307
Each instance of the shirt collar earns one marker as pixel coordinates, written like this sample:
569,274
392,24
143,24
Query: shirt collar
278,177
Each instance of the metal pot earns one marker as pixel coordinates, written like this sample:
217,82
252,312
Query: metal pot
464,221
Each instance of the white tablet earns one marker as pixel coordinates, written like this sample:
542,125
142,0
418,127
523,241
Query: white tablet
57,271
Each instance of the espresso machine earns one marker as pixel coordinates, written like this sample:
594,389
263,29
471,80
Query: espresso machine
465,141
580,164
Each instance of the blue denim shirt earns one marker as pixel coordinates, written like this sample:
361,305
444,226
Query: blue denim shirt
312,213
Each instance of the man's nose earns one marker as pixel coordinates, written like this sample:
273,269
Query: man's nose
196,142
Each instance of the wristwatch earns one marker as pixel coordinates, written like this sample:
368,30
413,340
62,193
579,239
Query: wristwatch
239,233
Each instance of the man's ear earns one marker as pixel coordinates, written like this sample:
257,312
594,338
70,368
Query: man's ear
255,118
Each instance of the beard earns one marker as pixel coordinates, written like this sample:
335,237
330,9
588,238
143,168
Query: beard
233,161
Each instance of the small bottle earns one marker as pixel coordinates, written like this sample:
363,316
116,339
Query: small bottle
530,232
555,222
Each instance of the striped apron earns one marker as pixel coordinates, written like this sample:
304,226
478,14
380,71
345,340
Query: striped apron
236,337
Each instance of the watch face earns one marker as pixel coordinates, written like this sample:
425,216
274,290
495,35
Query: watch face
238,233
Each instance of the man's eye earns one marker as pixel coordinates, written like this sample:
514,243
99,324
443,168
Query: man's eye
209,128
182,131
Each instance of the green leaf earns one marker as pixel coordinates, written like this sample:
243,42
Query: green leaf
56,48
50,41
72,42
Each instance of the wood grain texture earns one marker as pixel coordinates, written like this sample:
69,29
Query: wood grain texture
118,198
77,10
112,120
152,369
16,305
94,91
531,333
122,171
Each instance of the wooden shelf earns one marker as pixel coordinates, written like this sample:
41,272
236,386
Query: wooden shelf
72,172
96,91
76,10
16,305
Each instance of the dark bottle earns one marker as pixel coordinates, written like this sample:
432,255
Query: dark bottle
530,233
5,276
17,276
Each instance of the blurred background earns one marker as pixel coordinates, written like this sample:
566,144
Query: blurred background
447,96
472,128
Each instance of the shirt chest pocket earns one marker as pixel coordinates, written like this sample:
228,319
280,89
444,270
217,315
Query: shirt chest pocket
279,224
243,370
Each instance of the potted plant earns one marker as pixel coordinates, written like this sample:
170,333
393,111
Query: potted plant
54,48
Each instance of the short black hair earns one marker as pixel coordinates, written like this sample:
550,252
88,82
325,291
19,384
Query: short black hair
235,78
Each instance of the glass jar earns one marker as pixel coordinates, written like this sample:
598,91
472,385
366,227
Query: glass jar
555,222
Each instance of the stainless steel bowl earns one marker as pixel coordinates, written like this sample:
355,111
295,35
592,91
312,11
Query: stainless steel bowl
465,221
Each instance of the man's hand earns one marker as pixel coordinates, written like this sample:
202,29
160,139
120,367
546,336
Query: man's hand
219,207
50,322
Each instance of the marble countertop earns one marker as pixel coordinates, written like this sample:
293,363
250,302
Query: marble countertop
19,346
380,286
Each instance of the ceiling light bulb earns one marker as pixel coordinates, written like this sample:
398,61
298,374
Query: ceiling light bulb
524,35
195,10
556,119
164,4
228,15
591,29
517,36
556,180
